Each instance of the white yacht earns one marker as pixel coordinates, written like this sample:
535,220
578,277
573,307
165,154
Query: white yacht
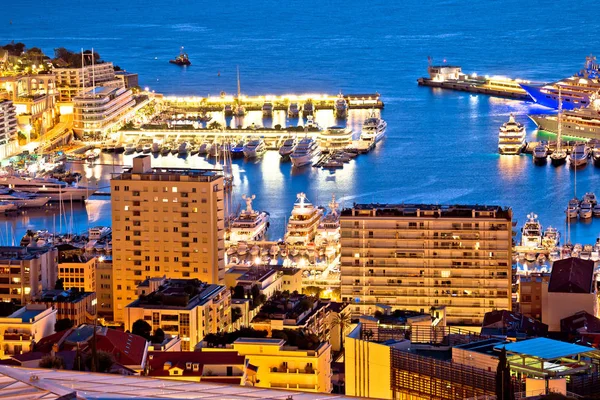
129,148
335,138
267,109
341,107
293,110
183,148
53,188
99,232
585,210
579,154
540,153
305,152
373,128
155,148
511,139
591,197
308,109
551,238
328,232
255,147
250,225
147,148
302,225
531,234
573,208
23,200
288,147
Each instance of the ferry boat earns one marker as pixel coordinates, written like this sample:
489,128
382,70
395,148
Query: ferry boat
99,232
576,90
341,107
23,200
572,209
303,223
328,231
531,233
53,188
579,155
308,109
267,109
551,238
182,59
305,152
373,128
293,110
511,139
288,147
250,225
255,148
335,138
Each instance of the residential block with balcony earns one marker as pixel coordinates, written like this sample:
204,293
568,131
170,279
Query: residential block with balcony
71,304
28,324
414,257
8,129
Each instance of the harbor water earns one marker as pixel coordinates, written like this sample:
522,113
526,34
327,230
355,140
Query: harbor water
441,146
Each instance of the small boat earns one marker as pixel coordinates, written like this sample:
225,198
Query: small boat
194,149
182,59
204,148
147,148
591,198
579,155
341,107
585,210
237,150
129,148
530,257
540,153
308,109
267,109
541,259
183,149
92,154
586,253
554,255
255,250
139,146
288,147
573,208
165,149
255,148
332,163
228,110
155,148
242,248
274,250
558,157
206,117
293,110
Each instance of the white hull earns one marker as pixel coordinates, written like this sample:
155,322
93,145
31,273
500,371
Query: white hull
300,161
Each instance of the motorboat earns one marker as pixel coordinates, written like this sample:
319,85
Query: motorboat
183,148
573,209
242,248
255,147
228,110
139,147
293,110
596,210
303,223
341,107
92,154
531,233
55,189
591,198
182,59
99,232
585,210
551,238
23,200
204,148
237,150
250,224
305,152
596,156
308,109
540,153
129,148
7,206
373,128
267,109
579,155
335,138
288,147
511,138
155,148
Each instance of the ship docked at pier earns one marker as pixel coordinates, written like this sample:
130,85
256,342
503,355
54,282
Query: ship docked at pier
250,224
511,139
580,123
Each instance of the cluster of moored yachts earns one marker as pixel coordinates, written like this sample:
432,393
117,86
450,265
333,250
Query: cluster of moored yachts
303,150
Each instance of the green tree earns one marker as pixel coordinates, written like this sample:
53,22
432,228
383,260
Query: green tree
105,361
504,388
63,324
343,322
52,362
141,328
238,292
159,336
60,284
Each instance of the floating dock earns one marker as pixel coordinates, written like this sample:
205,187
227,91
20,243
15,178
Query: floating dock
451,77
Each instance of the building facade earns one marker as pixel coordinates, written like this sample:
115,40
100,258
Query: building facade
25,272
531,288
71,82
76,269
165,222
71,304
184,307
100,111
104,285
8,129
414,257
20,329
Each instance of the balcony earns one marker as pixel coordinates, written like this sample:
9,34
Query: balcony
284,370
299,386
17,337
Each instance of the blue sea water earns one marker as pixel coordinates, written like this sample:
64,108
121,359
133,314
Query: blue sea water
441,146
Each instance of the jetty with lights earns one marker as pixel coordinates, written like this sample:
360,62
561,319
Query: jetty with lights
451,77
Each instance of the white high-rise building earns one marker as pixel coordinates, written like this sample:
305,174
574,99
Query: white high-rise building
8,129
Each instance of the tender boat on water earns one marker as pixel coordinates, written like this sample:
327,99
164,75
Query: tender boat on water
288,147
511,138
303,223
531,234
250,225
255,147
305,152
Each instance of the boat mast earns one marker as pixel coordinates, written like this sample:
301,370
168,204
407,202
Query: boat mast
559,120
239,94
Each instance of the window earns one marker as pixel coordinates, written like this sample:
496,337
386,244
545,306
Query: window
126,188
126,208
156,268
116,188
174,189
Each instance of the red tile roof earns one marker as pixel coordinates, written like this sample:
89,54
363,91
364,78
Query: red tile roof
157,360
572,275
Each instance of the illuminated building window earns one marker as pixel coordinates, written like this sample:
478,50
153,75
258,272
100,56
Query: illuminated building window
445,274
174,189
126,208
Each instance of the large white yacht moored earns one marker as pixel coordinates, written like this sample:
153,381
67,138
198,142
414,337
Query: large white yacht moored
335,138
579,155
288,147
328,232
250,225
303,223
531,234
511,139
53,188
341,107
23,200
373,128
255,147
305,152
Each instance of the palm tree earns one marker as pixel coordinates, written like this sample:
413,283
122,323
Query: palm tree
343,321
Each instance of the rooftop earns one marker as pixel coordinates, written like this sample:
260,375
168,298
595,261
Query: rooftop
179,294
429,211
21,253
572,275
63,296
546,349
170,175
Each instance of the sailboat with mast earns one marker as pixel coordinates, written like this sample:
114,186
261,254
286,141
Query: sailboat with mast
559,156
239,111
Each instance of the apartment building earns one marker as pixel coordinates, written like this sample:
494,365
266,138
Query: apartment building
165,222
25,272
26,326
185,307
104,285
531,288
71,81
71,304
414,257
77,269
101,110
8,129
